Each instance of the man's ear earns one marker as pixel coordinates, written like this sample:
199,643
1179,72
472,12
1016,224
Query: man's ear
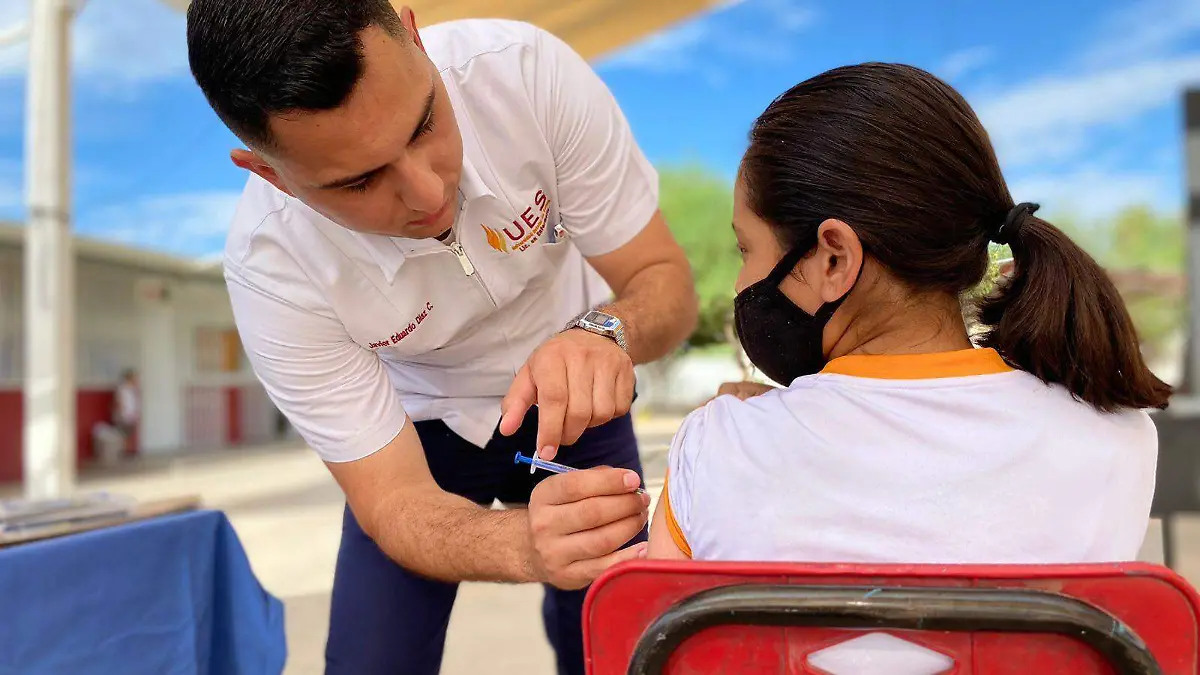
409,19
256,164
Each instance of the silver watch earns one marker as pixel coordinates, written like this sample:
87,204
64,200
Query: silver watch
607,325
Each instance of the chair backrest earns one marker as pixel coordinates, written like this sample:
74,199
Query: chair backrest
690,617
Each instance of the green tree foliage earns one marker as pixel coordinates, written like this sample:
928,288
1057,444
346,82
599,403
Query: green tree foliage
996,255
1144,252
698,206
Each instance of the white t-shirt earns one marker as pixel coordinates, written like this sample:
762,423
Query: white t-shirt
349,332
126,405
943,458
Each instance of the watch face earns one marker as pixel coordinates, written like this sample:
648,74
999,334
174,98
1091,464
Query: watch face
602,320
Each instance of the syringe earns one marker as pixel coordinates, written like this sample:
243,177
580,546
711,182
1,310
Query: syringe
536,462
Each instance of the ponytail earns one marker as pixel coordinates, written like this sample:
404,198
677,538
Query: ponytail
1060,318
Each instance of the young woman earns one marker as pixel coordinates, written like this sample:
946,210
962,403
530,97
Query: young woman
864,209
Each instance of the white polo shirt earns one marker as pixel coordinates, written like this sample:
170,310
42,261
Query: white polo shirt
935,458
350,332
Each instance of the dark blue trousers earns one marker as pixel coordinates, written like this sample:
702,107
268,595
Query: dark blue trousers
385,620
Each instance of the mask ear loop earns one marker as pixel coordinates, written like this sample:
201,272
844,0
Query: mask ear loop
777,274
786,264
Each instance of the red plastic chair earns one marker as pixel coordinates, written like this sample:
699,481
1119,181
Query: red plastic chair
666,617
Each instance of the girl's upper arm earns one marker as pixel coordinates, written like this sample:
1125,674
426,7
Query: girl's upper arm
672,522
662,543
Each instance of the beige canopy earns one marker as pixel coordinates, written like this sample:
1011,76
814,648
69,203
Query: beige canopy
591,27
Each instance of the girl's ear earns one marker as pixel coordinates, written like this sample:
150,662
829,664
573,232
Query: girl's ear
839,256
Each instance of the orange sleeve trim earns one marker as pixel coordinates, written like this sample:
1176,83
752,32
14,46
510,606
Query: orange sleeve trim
673,525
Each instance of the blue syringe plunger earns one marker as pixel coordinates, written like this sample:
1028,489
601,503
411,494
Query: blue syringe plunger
553,467
539,463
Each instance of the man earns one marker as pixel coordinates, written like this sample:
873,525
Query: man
411,268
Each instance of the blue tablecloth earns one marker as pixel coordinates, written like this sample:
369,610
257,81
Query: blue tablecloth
168,596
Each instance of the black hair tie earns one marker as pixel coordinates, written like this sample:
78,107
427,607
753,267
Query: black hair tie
1013,222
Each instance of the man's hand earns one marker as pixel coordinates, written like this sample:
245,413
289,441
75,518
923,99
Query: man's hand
578,520
742,390
578,380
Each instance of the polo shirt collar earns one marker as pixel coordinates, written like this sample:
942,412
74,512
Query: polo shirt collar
391,252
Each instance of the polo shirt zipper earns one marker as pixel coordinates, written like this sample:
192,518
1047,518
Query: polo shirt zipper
469,269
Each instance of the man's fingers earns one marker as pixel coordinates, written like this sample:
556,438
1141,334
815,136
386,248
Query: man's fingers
579,519
552,395
578,415
521,395
590,569
604,398
596,512
579,485
601,542
626,383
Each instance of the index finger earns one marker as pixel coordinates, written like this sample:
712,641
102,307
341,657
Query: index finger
576,486
552,396
517,402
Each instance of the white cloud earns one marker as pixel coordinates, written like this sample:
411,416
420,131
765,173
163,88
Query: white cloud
1054,117
1094,192
667,51
1133,63
1126,70
1146,28
965,61
788,14
115,42
190,223
14,17
677,49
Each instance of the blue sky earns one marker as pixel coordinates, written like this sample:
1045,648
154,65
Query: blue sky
1082,99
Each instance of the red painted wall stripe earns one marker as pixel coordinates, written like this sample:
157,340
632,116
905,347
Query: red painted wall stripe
10,435
91,406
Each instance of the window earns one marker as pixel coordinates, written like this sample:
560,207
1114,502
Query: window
217,350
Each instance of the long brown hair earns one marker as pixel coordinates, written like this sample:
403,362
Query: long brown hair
899,155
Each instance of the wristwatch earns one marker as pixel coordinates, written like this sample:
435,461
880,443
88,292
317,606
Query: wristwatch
607,325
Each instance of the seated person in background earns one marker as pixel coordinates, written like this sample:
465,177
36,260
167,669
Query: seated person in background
864,210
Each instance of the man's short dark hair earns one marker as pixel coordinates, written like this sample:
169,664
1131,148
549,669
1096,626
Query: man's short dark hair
257,58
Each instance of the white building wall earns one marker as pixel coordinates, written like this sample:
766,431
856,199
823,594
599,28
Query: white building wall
176,330
106,324
214,365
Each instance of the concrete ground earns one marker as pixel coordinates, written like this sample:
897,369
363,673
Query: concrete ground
287,512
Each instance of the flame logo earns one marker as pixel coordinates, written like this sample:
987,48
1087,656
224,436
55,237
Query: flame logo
494,239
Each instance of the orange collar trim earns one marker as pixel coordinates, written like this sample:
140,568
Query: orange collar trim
962,363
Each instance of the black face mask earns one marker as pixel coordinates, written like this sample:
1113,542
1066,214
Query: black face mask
780,339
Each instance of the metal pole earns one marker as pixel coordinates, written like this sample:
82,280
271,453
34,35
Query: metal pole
1191,113
49,436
